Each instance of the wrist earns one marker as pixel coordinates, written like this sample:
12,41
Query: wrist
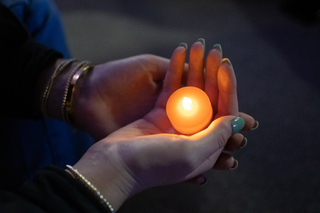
110,179
78,176
57,93
43,82
91,106
56,96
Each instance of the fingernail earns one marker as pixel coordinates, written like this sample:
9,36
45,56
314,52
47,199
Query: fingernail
227,61
256,125
237,125
203,41
235,165
217,47
244,143
204,182
184,45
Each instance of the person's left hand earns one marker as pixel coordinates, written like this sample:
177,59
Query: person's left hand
117,93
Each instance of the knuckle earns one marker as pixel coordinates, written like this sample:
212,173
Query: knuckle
224,135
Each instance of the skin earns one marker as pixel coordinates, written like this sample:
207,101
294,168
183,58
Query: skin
149,152
117,93
122,105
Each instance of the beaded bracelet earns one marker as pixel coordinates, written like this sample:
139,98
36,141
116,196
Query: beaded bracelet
47,90
68,91
72,171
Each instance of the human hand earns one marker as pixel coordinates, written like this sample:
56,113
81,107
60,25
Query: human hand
124,163
220,84
149,152
117,93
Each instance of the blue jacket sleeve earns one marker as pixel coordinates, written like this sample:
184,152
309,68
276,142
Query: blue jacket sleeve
21,62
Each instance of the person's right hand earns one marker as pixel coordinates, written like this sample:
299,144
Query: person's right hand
138,156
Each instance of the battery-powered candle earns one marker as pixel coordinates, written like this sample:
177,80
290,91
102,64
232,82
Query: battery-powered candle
189,110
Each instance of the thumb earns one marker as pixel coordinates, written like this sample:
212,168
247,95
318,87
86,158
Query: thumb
219,131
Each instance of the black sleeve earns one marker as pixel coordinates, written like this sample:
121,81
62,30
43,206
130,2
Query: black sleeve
21,62
52,190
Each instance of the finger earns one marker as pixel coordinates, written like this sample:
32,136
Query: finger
211,141
161,69
251,123
235,142
198,180
163,66
227,84
184,76
155,65
226,162
213,63
205,147
173,77
196,75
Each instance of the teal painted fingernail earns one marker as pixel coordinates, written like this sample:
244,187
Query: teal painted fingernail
202,41
217,47
237,125
184,45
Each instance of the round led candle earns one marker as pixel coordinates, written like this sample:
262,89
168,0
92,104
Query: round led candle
189,110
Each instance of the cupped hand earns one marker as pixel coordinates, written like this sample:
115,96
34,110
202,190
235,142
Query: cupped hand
117,93
219,82
216,77
149,152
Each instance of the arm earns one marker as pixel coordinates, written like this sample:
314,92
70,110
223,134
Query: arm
148,152
52,190
102,98
111,96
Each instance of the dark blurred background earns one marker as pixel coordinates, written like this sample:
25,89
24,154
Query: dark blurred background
275,49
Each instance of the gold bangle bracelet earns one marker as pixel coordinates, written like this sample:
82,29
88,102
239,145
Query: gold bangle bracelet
47,90
69,89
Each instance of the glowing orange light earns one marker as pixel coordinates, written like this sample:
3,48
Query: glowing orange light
189,110
187,103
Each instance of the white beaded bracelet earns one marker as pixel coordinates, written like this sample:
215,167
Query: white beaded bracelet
72,171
